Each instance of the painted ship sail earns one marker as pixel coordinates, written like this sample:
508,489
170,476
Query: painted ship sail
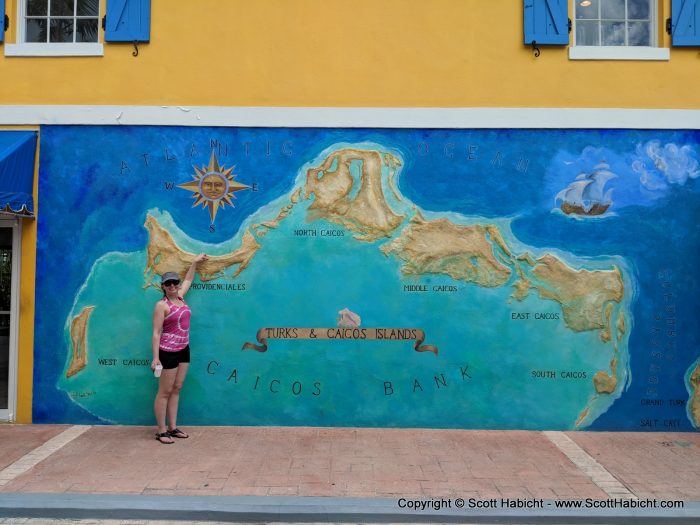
587,195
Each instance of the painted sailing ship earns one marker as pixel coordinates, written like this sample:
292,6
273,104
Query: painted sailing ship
587,195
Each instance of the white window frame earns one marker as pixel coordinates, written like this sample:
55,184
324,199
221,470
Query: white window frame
9,413
48,49
580,52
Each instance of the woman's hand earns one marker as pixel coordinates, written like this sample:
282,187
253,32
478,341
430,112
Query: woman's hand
189,276
154,363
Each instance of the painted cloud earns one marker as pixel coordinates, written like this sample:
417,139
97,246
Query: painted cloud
658,166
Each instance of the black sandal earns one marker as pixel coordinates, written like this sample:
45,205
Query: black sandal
161,435
177,433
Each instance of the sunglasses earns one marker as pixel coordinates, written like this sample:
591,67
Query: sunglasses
171,283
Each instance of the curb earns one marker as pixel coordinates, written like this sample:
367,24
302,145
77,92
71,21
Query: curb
314,509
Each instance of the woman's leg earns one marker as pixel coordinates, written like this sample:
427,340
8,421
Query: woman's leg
174,398
166,384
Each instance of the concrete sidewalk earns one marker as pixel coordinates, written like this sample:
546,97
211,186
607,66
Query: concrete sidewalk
347,474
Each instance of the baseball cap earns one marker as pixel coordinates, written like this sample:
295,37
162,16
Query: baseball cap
169,276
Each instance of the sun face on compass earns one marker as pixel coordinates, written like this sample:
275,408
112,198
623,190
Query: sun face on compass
213,186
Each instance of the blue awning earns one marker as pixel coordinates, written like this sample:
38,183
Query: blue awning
17,153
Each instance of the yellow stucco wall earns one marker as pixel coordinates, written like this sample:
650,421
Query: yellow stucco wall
388,53
25,350
337,53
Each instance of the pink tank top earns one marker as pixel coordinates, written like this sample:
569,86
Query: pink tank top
176,327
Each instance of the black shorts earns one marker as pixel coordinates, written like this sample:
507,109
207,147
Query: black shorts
170,360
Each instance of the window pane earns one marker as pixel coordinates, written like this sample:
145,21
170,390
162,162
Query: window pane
61,30
587,11
638,9
613,33
36,30
4,358
88,8
86,31
5,305
639,34
37,7
613,10
587,34
61,8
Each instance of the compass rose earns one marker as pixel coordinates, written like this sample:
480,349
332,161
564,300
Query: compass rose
213,186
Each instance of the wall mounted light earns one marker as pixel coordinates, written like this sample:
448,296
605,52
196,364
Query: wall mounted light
585,3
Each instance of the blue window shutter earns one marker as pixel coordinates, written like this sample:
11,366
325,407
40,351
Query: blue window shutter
128,20
685,22
546,21
2,20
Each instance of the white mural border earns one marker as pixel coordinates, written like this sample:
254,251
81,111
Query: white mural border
320,117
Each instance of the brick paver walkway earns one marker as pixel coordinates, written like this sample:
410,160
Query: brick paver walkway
18,440
661,466
350,462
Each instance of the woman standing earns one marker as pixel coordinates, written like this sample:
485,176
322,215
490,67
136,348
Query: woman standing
171,349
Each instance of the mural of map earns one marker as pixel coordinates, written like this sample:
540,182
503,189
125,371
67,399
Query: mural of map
505,279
